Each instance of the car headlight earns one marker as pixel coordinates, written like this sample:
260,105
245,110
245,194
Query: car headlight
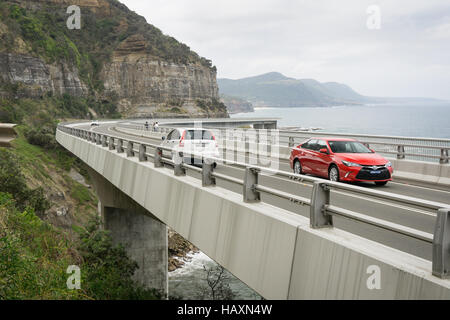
388,165
351,164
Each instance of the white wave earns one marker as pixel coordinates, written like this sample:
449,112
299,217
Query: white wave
192,262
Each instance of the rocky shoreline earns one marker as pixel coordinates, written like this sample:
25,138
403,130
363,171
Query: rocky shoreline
178,250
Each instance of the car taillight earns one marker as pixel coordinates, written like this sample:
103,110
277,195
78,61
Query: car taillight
214,138
182,139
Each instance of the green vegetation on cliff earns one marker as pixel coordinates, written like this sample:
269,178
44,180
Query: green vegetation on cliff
35,255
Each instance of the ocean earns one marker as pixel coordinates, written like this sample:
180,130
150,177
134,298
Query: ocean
411,120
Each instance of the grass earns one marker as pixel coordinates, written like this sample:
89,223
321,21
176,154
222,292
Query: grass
34,256
81,193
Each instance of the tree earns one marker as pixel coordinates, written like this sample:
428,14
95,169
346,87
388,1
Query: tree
218,284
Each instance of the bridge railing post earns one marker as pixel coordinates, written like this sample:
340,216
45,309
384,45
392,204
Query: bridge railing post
444,156
104,141
111,143
250,193
98,138
319,200
157,159
441,244
178,168
207,170
130,152
291,142
401,152
119,146
142,150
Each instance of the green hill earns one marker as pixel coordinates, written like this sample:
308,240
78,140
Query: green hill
276,90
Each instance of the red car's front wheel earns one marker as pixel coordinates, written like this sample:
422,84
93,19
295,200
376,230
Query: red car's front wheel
297,167
333,173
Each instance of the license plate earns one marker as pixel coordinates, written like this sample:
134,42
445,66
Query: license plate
375,172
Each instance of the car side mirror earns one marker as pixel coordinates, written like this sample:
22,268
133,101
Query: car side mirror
324,150
373,151
163,138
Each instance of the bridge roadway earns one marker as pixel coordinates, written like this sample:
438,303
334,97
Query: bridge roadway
418,219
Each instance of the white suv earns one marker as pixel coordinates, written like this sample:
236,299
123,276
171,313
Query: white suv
194,144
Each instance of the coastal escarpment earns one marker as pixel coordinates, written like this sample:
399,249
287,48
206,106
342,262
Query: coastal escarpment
116,59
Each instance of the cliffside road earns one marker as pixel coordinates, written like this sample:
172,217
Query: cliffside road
417,219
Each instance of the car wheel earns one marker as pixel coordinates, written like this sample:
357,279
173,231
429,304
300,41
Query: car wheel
297,167
333,174
381,183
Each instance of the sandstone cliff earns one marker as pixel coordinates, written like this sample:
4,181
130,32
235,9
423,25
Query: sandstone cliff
116,56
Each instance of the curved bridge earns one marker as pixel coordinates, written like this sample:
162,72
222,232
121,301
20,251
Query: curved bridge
286,236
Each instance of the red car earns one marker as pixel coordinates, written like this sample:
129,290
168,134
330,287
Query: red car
340,160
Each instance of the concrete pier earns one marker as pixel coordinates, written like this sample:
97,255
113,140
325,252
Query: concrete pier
142,234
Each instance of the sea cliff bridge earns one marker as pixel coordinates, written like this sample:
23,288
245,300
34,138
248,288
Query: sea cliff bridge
287,236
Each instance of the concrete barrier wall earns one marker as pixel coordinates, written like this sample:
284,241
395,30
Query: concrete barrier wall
272,250
421,171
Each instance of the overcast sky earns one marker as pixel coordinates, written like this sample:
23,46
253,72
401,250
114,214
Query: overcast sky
326,40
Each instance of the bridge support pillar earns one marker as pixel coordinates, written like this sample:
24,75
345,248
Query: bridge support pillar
143,236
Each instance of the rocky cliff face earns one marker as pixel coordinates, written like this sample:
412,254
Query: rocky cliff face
35,78
147,85
141,82
236,105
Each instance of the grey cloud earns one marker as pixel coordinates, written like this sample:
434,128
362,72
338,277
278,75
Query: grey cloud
322,39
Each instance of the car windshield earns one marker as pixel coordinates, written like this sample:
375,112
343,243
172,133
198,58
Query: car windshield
198,135
348,147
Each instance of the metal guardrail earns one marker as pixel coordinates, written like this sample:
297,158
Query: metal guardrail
425,149
321,211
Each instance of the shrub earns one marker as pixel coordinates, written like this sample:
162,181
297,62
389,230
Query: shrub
34,258
41,131
107,269
13,182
